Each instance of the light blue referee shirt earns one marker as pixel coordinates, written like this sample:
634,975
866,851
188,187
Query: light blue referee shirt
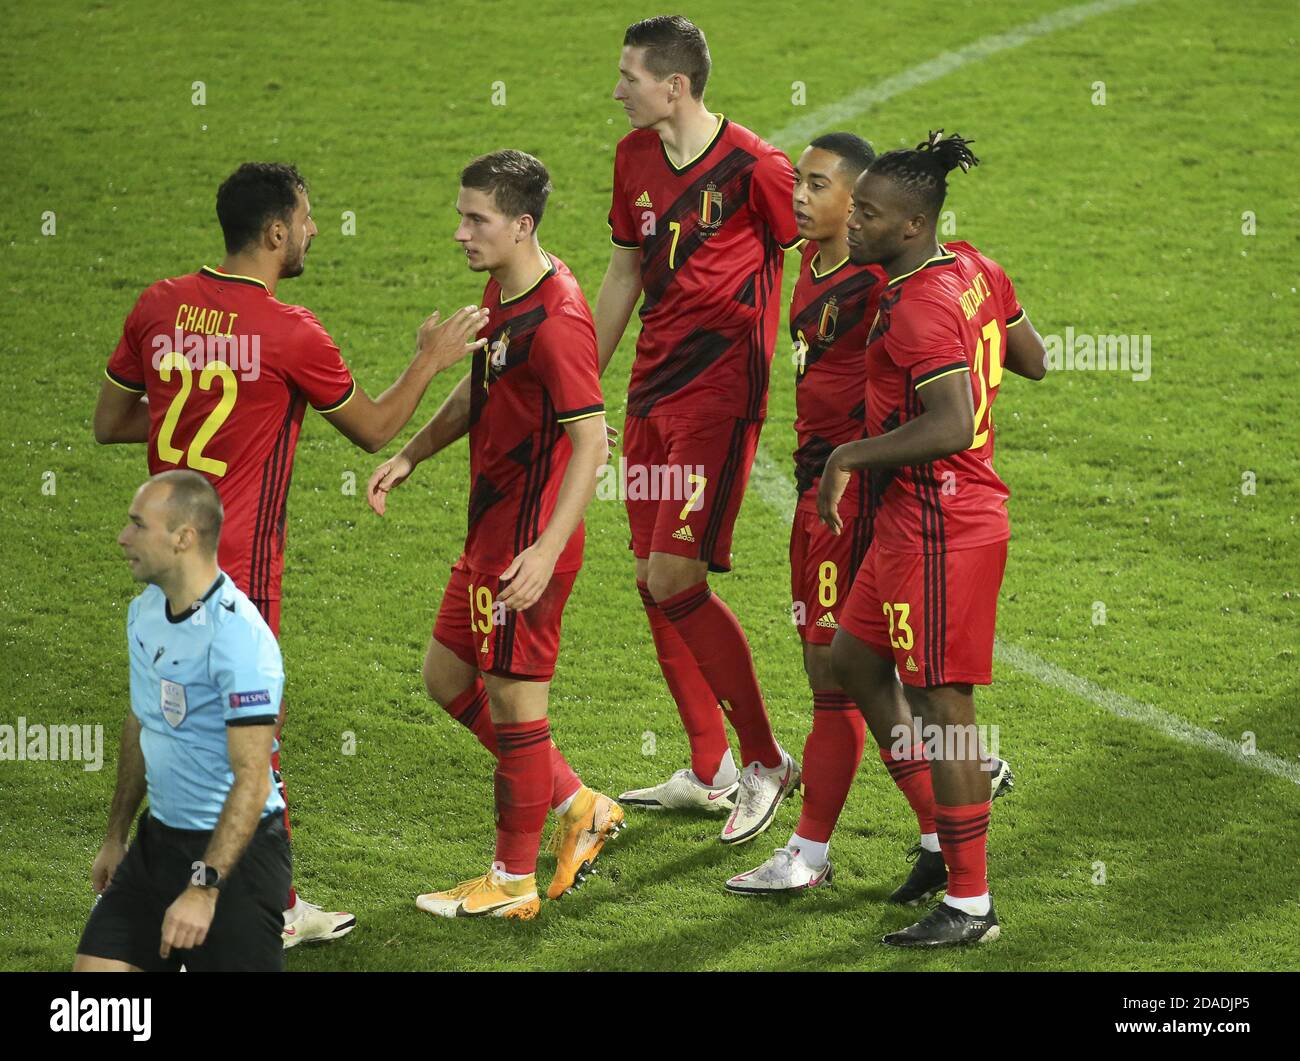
192,675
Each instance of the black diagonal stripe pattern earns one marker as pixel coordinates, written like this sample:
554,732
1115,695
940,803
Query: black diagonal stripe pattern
535,481
810,461
722,492
773,259
482,496
730,175
697,352
933,544
259,568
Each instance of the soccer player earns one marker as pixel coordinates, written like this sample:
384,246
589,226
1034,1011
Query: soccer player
700,220
204,882
214,374
925,598
535,416
833,305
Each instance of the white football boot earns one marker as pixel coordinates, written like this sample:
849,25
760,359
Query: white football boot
785,871
683,791
308,923
759,795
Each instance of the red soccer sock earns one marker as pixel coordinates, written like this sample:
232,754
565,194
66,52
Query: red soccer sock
963,837
470,709
830,759
523,792
696,703
718,644
911,773
279,783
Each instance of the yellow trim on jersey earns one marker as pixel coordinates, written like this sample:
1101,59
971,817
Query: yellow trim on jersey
943,255
1019,319
581,416
236,276
118,383
699,155
796,244
550,267
941,375
813,266
352,393
618,243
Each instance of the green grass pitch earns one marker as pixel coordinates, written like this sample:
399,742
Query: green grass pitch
1169,211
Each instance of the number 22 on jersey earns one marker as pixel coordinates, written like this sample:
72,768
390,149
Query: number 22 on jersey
214,370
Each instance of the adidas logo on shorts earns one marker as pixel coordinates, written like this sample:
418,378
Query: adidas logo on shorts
911,665
683,534
828,621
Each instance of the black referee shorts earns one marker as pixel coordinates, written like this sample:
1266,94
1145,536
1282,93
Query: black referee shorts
126,924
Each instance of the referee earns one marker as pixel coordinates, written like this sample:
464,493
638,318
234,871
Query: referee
205,879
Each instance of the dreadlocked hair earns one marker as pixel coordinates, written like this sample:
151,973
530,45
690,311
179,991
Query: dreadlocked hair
923,172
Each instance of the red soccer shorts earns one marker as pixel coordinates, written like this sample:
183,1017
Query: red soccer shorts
822,567
492,637
686,477
934,613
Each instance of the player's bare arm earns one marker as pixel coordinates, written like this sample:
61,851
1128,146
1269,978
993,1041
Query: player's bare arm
120,415
449,423
946,426
618,296
187,920
127,797
1026,354
530,572
373,423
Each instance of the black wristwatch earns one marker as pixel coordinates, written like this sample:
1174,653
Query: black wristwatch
211,878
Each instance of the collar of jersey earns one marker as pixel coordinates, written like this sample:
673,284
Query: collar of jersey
944,257
550,269
167,608
819,277
722,124
217,274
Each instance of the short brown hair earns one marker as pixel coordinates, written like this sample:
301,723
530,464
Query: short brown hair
673,45
518,182
191,499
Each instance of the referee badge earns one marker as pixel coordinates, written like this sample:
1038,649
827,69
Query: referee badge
173,703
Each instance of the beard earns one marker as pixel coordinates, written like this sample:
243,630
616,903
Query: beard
295,261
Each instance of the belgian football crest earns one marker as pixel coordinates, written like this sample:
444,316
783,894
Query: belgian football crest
710,206
830,315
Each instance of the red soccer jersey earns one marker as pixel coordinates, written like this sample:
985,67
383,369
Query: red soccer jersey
830,311
539,371
712,235
950,315
229,371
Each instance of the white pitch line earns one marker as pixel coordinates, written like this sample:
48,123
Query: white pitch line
833,115
776,488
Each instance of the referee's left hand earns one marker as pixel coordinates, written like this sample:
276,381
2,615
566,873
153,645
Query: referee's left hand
186,923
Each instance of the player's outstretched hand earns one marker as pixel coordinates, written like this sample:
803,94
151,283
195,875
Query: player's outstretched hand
528,574
833,484
186,923
392,473
451,340
106,862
